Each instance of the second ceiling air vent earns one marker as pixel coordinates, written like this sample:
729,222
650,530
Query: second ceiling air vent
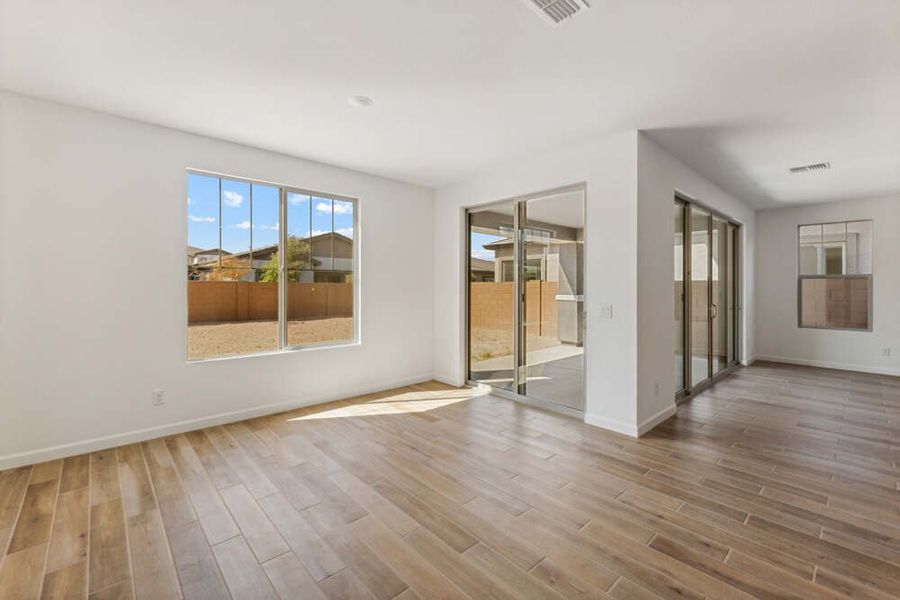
822,166
557,11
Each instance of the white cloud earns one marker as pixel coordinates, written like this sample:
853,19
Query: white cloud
316,232
340,208
269,227
243,225
189,200
343,208
297,198
196,219
232,199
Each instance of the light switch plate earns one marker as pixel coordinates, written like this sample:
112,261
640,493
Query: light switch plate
606,311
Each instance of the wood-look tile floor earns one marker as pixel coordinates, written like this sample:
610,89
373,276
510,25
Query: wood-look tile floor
778,482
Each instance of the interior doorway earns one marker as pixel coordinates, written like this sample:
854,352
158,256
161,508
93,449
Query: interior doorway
525,297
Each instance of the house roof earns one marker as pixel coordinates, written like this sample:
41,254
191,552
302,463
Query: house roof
499,243
274,247
480,264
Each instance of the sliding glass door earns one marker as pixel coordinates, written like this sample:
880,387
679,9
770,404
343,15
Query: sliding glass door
553,316
699,294
526,297
680,322
719,293
706,295
492,296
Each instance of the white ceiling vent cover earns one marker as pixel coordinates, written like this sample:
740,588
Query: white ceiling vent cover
557,11
823,166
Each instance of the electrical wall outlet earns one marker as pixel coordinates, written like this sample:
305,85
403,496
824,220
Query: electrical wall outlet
606,311
159,397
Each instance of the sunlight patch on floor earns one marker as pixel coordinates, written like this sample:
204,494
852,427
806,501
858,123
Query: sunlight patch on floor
404,402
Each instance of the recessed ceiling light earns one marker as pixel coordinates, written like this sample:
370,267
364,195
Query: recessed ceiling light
360,101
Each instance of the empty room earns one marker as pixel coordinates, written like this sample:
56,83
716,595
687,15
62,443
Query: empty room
458,299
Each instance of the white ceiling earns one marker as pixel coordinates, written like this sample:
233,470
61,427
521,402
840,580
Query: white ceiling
739,89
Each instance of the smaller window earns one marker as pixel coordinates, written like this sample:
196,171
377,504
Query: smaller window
835,275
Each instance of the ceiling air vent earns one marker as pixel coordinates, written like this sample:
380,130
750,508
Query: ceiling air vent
822,166
557,11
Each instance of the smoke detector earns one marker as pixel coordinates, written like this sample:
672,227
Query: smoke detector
822,166
557,11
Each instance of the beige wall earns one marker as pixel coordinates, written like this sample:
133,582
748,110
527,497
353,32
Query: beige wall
492,306
225,301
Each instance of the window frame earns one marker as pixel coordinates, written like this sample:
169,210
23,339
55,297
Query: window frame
283,191
821,259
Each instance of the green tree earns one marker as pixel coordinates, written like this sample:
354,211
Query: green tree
298,257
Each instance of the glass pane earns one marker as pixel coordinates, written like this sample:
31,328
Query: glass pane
265,219
840,303
554,299
319,309
731,285
859,248
810,234
236,224
203,219
834,258
679,296
231,313
811,250
299,207
322,228
491,297
834,232
231,309
700,309
343,235
719,283
265,232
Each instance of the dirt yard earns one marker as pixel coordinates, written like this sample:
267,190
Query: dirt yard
213,340
493,343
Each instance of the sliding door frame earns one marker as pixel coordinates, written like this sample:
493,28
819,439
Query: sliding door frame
520,368
687,203
686,359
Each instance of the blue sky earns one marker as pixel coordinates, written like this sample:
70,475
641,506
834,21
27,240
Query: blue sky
477,246
203,214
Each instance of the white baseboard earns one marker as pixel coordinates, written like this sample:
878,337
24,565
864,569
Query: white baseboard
651,422
629,429
446,379
749,361
141,435
825,364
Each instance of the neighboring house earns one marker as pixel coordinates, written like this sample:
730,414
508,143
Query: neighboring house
332,260
481,270
198,256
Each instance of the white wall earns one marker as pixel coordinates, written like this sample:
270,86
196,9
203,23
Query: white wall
659,175
92,284
608,167
779,338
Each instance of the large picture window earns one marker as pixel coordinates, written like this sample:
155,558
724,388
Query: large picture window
835,275
243,297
